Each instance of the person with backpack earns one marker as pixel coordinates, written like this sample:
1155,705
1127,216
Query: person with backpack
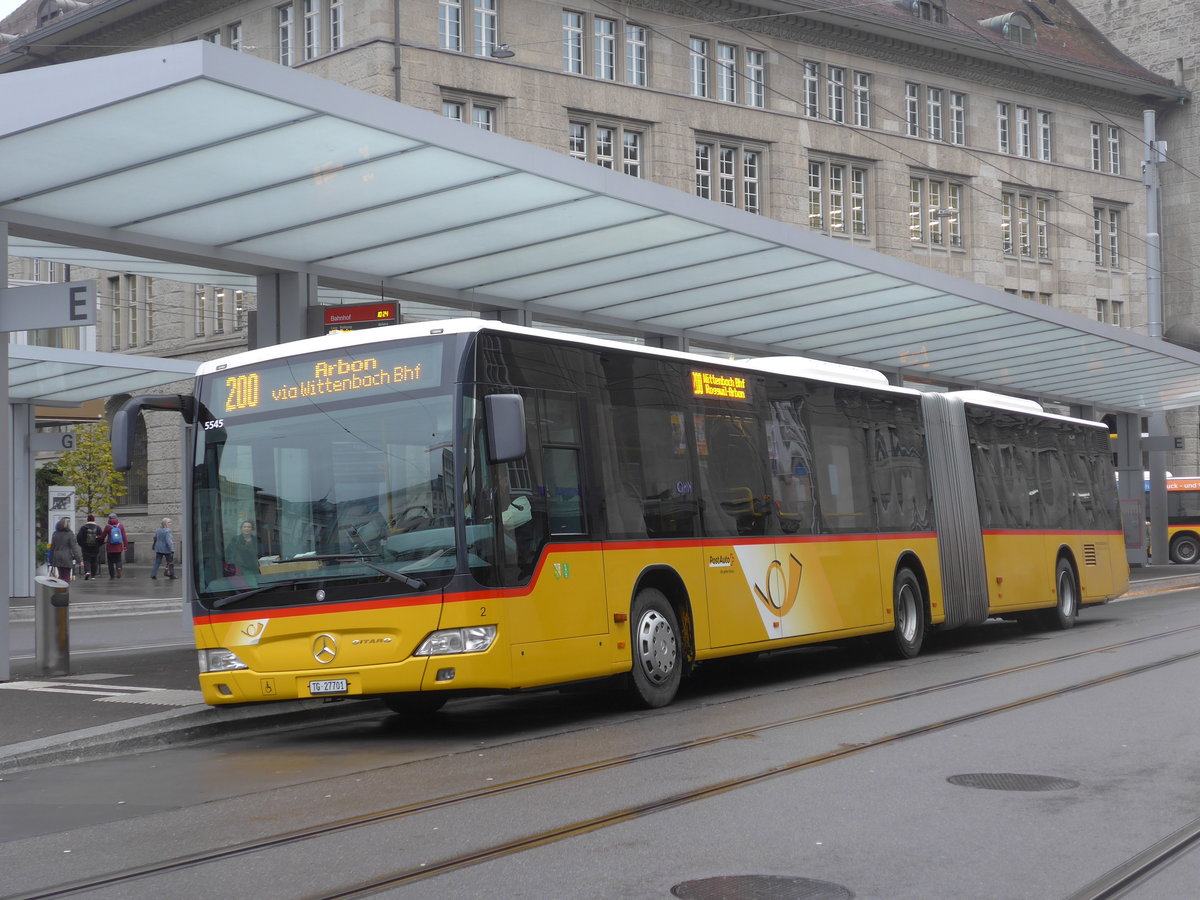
113,539
90,540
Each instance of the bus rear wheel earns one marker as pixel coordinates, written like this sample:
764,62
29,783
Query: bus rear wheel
657,658
1185,549
1062,616
908,605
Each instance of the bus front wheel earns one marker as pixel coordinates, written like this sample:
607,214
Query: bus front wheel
1062,616
657,650
1185,549
908,606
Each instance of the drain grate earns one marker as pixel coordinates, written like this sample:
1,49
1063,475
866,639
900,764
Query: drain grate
760,887
1011,781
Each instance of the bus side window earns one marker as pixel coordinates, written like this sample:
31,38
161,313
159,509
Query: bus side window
790,448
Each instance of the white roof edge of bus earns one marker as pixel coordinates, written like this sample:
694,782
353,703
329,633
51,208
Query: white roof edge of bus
799,366
1015,404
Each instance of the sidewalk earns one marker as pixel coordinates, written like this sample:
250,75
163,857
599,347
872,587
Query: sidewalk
126,701
135,700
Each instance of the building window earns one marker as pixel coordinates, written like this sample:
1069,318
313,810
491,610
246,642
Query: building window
1106,236
612,145
486,33
1024,131
474,111
1117,313
239,310
1045,125
337,25
862,99
929,11
131,304
1002,142
731,173
837,198
604,49
635,55
836,78
933,109
450,24
200,310
698,67
812,89
1114,149
1096,149
727,73
958,118
219,311
312,29
572,23
1101,310
150,310
935,211
286,32
912,104
235,36
756,74
1025,223
114,310
214,37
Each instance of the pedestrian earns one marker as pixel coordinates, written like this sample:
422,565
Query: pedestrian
113,539
64,549
90,540
164,551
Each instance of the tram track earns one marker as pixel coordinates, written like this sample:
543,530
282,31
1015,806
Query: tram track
1140,868
1143,863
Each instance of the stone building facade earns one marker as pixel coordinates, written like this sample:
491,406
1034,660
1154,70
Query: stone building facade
995,140
1169,49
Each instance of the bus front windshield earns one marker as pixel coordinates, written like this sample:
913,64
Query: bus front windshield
348,492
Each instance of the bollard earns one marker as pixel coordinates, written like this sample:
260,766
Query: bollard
51,615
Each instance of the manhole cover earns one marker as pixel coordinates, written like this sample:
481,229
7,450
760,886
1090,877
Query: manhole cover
1011,781
760,887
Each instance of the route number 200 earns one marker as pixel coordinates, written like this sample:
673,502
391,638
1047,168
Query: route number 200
243,392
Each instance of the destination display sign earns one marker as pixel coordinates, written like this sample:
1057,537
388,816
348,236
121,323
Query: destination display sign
715,384
319,378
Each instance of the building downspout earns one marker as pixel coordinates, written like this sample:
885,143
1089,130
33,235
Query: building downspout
396,48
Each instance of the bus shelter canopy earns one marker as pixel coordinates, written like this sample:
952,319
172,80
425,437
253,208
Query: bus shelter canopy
206,158
52,376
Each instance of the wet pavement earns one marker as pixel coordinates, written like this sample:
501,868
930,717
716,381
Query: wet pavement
142,694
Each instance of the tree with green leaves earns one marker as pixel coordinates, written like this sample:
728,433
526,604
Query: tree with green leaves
89,467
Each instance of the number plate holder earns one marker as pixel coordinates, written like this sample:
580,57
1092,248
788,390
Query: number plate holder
329,686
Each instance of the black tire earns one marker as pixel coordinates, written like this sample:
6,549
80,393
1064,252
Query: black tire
415,706
1066,588
1185,549
907,636
657,650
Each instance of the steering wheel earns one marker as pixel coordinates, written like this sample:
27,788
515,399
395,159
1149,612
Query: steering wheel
412,518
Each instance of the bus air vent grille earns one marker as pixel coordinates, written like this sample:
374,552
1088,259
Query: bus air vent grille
1089,554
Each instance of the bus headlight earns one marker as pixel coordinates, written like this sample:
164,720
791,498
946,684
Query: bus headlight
475,639
219,660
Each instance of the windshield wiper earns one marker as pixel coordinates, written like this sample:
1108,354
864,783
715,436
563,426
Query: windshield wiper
234,598
415,583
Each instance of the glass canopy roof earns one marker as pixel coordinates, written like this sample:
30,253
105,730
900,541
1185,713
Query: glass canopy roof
49,375
219,166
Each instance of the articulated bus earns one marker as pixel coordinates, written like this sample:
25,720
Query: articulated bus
1183,519
428,510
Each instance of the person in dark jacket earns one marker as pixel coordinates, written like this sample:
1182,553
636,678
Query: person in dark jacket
64,549
91,542
115,541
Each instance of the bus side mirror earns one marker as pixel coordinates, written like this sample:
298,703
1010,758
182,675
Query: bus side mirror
505,417
125,420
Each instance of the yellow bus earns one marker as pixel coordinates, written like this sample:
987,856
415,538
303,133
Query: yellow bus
427,510
1183,519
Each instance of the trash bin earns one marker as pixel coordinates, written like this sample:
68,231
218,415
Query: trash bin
52,646
129,556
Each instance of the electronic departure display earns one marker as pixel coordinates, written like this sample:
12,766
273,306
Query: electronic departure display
712,384
318,378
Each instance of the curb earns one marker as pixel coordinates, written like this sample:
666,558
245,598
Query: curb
91,609
189,725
